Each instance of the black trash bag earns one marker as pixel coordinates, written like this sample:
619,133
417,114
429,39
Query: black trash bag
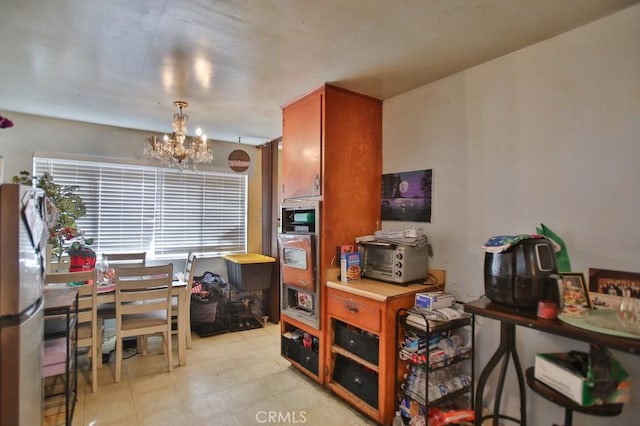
209,288
208,297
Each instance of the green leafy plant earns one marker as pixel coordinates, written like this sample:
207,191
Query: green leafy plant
65,199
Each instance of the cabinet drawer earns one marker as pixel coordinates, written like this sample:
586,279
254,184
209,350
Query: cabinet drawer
290,348
295,351
357,379
309,360
363,345
355,312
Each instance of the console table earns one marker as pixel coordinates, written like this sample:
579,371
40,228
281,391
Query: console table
509,317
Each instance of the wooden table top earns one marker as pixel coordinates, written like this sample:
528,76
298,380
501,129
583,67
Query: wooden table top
57,298
528,318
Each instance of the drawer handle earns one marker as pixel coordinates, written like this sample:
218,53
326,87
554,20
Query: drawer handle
307,360
352,343
353,309
357,381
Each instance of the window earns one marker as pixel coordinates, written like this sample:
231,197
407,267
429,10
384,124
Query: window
165,212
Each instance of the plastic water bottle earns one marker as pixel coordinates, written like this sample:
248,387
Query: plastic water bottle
397,420
433,393
103,268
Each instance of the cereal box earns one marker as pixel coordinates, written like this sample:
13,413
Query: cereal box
350,266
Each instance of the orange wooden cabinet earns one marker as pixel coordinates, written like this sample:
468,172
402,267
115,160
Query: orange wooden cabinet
302,147
332,145
361,342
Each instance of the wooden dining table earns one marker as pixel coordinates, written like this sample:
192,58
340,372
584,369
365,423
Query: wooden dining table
107,294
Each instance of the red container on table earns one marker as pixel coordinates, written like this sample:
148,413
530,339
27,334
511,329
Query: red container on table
83,259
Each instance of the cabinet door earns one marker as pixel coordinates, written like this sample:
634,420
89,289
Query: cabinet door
301,147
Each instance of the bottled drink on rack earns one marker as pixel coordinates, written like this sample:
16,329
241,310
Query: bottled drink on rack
455,340
433,393
397,420
453,385
420,384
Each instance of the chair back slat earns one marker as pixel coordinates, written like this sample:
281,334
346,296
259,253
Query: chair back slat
87,293
116,259
142,289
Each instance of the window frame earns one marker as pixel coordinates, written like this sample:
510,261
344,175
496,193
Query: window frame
221,193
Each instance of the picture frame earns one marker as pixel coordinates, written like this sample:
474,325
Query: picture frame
574,294
608,287
407,196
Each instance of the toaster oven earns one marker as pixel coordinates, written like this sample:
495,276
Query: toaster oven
395,263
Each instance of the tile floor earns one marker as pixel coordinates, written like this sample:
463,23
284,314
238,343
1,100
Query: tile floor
230,379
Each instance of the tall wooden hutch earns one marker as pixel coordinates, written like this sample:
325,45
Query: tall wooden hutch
332,154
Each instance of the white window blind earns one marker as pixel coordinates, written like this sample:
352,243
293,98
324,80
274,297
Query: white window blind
165,212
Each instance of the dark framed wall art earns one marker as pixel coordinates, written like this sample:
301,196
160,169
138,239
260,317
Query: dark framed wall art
407,196
607,288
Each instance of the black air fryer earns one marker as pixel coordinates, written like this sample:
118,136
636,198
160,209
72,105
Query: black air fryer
523,274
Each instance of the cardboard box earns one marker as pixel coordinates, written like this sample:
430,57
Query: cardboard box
552,370
434,300
350,268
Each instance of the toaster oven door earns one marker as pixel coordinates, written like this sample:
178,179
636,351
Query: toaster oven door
297,260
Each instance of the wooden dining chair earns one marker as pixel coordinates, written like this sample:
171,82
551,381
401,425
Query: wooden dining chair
108,310
87,319
189,269
143,307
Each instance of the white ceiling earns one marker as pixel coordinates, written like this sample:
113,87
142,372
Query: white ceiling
124,62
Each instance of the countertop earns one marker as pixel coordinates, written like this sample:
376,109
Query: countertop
379,290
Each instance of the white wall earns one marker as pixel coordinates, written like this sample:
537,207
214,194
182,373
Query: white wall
41,134
549,134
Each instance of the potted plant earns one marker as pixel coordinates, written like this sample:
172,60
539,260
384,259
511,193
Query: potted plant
63,199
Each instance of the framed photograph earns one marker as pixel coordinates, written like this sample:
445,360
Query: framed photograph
574,294
607,287
407,196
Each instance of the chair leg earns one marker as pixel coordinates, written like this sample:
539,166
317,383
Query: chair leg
119,347
141,344
167,341
99,340
188,328
95,355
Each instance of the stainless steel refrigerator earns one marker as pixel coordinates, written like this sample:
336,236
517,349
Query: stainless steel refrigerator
23,239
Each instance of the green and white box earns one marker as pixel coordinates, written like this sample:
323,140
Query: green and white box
551,369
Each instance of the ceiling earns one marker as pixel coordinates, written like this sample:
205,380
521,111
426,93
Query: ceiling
124,62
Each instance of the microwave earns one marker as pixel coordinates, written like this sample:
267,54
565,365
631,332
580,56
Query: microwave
395,263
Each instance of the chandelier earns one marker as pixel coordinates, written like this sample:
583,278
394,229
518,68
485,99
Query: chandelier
172,150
